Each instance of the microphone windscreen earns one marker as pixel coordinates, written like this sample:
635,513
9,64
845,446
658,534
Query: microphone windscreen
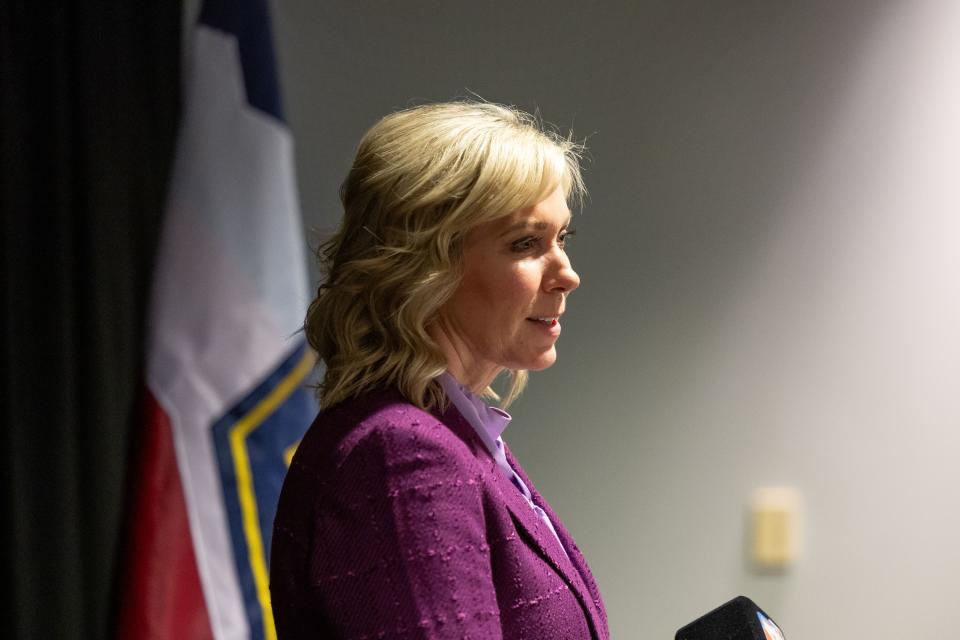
739,619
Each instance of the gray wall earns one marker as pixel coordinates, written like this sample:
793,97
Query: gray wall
770,280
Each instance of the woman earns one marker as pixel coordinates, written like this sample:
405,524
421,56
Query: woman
403,514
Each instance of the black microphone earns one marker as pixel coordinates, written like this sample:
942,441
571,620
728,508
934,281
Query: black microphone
739,619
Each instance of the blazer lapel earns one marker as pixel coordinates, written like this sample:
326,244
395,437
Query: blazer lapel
567,565
541,540
575,557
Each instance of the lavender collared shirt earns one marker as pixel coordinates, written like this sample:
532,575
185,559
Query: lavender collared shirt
489,423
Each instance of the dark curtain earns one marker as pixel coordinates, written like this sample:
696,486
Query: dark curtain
89,96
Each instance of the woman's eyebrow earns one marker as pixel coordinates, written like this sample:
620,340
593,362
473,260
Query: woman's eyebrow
536,225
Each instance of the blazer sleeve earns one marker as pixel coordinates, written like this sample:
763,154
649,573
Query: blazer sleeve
399,539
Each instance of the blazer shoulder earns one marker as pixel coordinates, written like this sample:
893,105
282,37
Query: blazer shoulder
387,421
401,428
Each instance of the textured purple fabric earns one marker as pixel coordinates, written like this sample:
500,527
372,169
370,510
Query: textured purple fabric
488,423
395,523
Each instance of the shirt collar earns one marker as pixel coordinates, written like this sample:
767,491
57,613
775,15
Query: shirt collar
489,422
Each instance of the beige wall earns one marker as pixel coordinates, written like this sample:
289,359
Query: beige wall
771,280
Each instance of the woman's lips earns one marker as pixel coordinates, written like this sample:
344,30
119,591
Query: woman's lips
551,324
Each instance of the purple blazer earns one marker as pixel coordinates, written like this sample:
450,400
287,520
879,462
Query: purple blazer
396,523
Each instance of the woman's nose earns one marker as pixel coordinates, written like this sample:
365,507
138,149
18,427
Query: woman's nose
562,277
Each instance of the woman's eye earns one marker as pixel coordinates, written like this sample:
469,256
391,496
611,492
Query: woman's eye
564,236
526,244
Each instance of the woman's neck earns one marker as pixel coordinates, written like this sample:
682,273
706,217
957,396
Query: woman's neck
472,373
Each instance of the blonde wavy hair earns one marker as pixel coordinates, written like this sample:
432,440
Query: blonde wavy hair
422,178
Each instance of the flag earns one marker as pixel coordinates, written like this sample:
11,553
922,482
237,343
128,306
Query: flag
226,401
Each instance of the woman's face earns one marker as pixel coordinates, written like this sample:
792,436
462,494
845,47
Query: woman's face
506,312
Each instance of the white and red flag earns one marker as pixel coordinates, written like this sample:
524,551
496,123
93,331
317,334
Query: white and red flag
226,366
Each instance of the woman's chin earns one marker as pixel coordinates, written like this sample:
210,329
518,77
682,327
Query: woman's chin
542,361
